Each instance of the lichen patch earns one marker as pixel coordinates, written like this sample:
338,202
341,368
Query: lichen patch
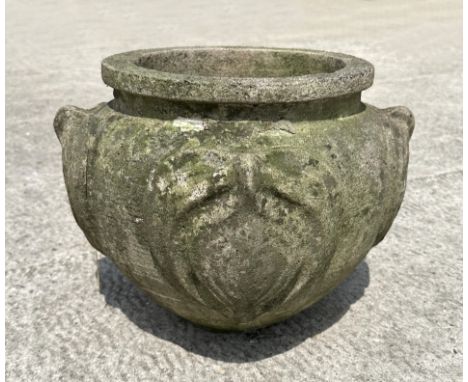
189,125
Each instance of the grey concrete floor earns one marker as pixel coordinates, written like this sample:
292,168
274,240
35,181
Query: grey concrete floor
72,317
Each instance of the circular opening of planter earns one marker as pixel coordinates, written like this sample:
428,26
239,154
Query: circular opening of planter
237,74
239,63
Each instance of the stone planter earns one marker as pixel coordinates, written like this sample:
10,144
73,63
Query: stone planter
236,186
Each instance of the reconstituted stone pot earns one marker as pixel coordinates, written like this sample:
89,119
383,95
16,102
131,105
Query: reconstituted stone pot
236,186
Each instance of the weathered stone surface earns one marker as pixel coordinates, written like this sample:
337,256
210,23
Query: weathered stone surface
235,200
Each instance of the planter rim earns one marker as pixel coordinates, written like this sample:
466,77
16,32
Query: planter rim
340,74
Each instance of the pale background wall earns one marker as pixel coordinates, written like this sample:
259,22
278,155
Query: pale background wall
71,316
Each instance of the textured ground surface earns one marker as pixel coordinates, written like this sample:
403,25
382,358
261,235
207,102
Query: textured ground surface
70,314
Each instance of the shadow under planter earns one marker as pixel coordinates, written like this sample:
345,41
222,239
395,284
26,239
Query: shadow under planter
119,292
